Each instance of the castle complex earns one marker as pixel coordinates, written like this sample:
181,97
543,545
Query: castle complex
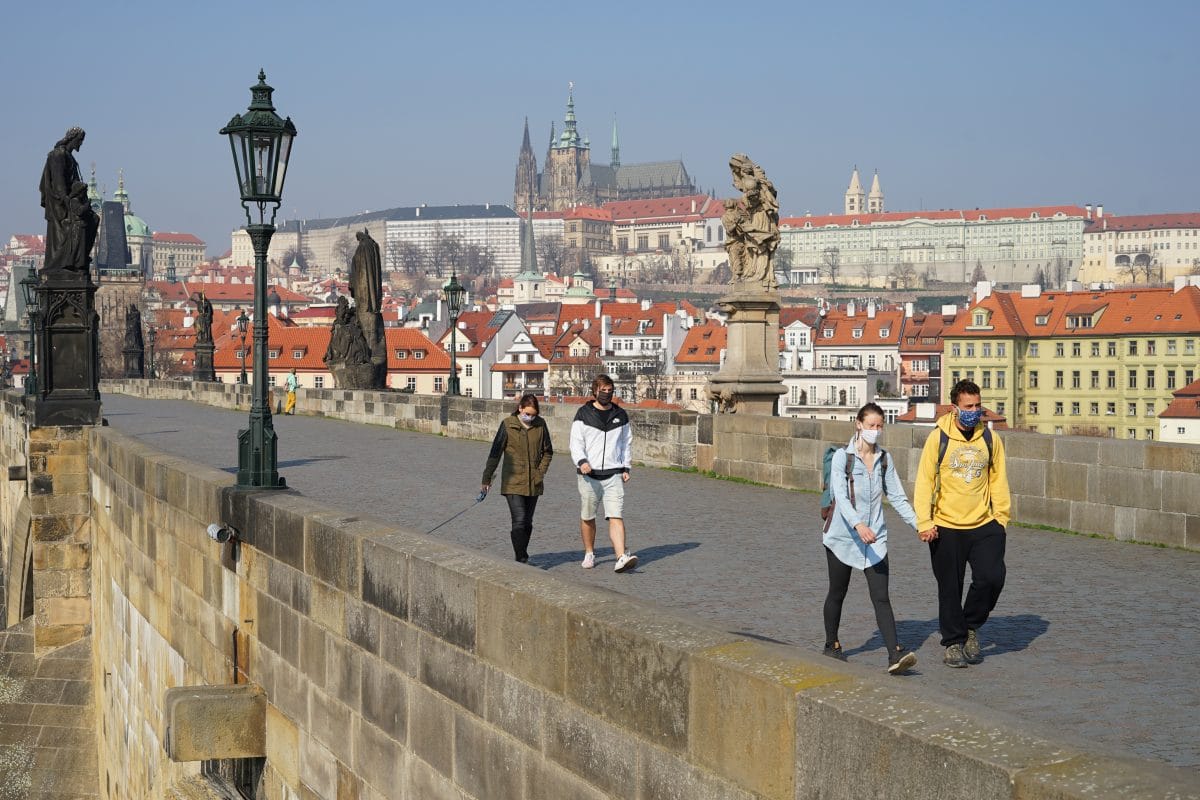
569,178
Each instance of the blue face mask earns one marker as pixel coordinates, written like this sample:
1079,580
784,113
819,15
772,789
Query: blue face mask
526,418
969,419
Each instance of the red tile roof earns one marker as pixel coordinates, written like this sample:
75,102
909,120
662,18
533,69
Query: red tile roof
809,315
1143,222
1186,404
176,238
665,208
844,326
589,212
703,344
963,215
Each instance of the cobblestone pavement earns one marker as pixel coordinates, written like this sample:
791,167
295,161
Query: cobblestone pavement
1092,639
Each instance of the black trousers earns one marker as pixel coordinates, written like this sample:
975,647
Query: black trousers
521,507
983,549
877,586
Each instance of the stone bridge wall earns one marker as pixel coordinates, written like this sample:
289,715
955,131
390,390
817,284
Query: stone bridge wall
1130,490
14,510
396,666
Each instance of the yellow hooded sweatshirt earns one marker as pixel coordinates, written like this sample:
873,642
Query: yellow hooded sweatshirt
972,493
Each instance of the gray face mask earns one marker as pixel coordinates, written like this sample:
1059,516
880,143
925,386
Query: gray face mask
526,418
604,396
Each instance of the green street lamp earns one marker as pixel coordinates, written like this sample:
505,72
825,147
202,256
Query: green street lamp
151,337
261,143
455,293
29,292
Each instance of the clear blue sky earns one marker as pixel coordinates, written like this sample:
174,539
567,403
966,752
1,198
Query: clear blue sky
400,103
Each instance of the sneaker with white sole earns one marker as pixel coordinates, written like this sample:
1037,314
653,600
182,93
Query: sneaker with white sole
903,663
626,562
971,648
589,560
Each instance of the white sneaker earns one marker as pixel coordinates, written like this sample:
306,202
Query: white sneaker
625,563
589,560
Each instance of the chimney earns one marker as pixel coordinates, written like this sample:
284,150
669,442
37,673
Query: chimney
850,309
871,309
604,337
693,206
983,289
587,324
908,310
1099,210
1089,210
418,211
597,307
646,304
1031,290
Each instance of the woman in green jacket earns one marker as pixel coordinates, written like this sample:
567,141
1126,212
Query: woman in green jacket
524,441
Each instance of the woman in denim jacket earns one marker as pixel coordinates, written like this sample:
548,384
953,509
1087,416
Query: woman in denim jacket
857,534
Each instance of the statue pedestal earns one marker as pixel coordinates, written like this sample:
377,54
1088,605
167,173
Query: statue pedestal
134,363
68,351
202,370
749,382
356,376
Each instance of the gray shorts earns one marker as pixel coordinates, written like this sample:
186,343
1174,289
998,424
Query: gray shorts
610,491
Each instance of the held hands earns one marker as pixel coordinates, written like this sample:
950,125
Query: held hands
929,535
585,468
865,533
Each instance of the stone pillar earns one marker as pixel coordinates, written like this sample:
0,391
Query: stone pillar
68,351
749,382
61,533
203,370
134,362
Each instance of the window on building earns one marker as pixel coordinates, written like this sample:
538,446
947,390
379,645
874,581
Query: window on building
271,380
1170,379
1112,379
1188,377
955,375
1131,410
1076,349
1151,347
1132,433
1033,349
1095,379
643,241
1000,408
239,354
1189,347
871,361
438,383
1001,349
986,383
468,392
1110,409
970,350
401,355
664,241
622,243
1033,379
297,354
986,350
1149,433
1112,349
1076,383
272,354
411,383
955,350
1058,408
1132,384
1150,379
1000,379
1180,430
418,354
1170,347
1058,379
1133,349
1033,408
1094,409
1059,349
693,394
468,370
1095,349
1075,408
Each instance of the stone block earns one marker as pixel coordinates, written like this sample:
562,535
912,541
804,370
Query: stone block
1062,482
664,776
548,781
1123,453
318,766
431,729
66,610
1160,527
385,579
399,645
362,626
333,551
423,781
1076,450
312,651
1029,477
206,722
486,762
327,607
349,785
523,634
1181,492
442,601
1172,457
283,746
1123,487
384,698
743,713
515,707
1093,518
1192,533
779,450
1032,446
911,739
452,672
330,723
1086,777
343,668
1042,511
604,756
378,759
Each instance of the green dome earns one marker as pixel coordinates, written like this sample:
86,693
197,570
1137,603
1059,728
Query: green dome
136,226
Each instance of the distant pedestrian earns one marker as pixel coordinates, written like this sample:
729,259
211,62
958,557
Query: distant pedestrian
856,537
963,507
292,383
602,449
523,441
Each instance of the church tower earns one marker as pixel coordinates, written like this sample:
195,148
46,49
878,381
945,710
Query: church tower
525,184
855,196
569,160
615,161
875,198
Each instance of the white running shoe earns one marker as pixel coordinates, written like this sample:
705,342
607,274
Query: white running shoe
589,560
626,562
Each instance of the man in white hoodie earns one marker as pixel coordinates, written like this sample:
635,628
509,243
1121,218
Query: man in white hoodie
601,447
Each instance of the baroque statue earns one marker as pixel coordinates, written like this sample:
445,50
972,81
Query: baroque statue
204,318
366,275
71,224
133,328
751,226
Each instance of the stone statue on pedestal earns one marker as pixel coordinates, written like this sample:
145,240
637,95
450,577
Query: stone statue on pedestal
366,287
751,226
348,355
71,224
204,318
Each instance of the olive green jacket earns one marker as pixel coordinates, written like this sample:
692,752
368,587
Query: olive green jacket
527,453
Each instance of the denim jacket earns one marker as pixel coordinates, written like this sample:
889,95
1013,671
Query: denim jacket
869,491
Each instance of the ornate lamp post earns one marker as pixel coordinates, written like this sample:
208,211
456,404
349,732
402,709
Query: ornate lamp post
455,292
151,336
29,291
242,322
261,143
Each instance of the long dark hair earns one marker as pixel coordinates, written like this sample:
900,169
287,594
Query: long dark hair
527,400
871,408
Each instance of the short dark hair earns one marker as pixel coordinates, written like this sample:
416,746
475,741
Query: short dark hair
601,380
964,387
526,400
870,408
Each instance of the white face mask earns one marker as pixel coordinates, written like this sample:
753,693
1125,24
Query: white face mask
869,435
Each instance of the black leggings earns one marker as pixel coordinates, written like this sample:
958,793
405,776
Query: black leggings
521,507
877,585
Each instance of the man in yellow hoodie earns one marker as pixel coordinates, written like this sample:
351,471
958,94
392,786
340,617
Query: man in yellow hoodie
963,506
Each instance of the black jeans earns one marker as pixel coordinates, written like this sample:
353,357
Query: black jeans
521,507
877,586
983,549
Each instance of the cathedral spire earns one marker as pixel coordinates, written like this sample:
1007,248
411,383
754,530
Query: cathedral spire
855,196
570,135
875,198
121,196
529,267
525,145
616,147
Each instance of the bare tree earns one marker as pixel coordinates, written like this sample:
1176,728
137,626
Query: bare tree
1039,277
445,253
300,255
868,272
1195,267
831,264
1060,272
343,252
552,253
478,260
978,275
903,275
407,257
